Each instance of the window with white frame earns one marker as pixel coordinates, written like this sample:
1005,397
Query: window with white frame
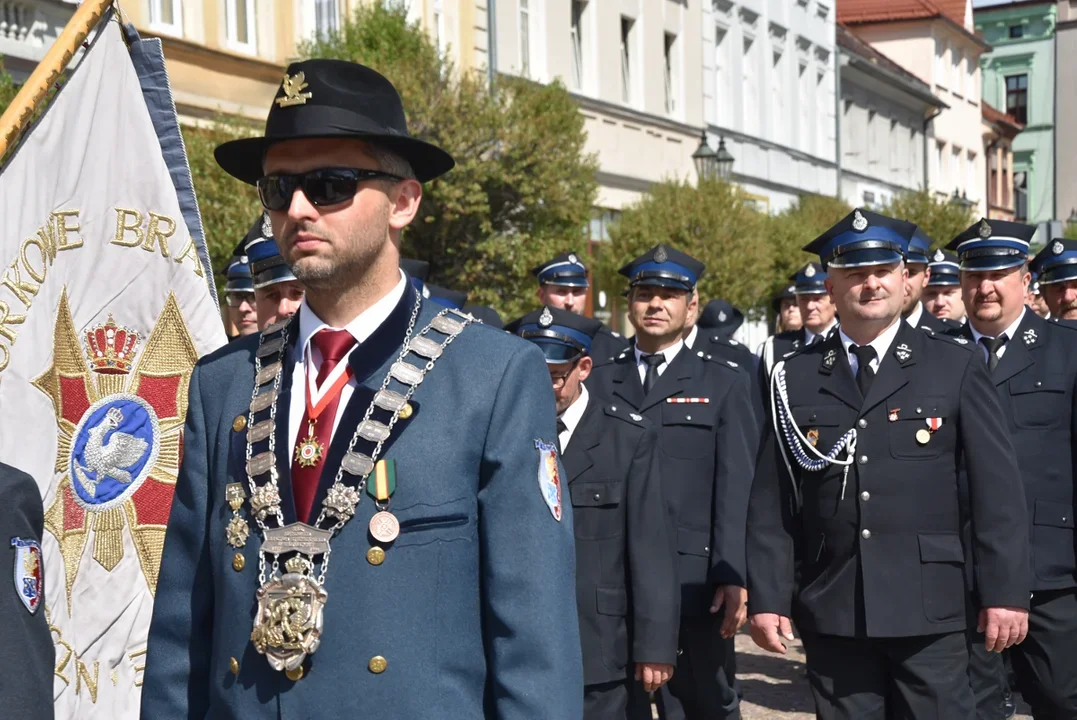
441,35
724,101
669,60
326,17
940,63
822,121
955,168
166,16
626,59
576,39
804,105
936,165
239,23
957,81
525,38
750,86
970,171
777,95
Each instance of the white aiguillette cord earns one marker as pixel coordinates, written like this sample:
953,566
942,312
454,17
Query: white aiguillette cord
785,427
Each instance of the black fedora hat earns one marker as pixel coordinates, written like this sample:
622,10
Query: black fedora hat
334,99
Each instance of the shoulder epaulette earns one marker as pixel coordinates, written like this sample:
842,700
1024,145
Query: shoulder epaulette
721,362
959,340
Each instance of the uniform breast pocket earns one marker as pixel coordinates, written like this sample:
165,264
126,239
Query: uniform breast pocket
688,429
822,424
595,509
423,524
1039,402
919,429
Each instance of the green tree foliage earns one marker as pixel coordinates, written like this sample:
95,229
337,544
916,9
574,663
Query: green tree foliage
714,222
942,220
1070,231
793,228
228,207
523,187
8,88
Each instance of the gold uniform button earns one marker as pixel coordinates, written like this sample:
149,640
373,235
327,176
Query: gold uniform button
377,664
239,423
238,562
375,556
295,675
233,665
406,411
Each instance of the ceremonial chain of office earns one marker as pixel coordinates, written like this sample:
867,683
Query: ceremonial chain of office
288,623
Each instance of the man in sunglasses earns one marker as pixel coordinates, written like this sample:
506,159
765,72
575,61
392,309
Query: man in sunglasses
625,584
242,319
414,445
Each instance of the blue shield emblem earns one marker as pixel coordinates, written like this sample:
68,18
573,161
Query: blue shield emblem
114,449
29,575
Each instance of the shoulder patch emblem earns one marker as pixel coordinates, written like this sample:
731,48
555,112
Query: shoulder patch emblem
549,477
830,358
903,352
29,575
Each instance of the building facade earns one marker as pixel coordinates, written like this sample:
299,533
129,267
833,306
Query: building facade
1019,79
28,28
1066,107
768,88
999,131
935,41
885,111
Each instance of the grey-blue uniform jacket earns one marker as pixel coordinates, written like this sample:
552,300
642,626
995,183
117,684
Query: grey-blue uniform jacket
474,606
883,557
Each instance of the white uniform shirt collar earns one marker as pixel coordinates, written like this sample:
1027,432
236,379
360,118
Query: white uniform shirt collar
669,353
1011,333
915,315
809,336
571,417
690,341
881,344
361,328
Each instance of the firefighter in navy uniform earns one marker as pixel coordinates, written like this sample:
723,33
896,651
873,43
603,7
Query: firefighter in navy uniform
707,454
563,283
704,333
1033,366
942,296
626,588
1056,266
918,265
854,527
239,295
817,313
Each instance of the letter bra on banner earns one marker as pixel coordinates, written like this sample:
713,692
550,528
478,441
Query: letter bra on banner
106,304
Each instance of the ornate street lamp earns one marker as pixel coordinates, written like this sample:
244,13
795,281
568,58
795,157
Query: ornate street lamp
705,160
1072,219
725,161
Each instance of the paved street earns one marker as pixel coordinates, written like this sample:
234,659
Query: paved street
775,687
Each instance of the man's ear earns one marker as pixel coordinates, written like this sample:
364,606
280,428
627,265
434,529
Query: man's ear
585,365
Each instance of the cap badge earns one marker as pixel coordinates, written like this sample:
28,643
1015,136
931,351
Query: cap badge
860,223
573,259
722,317
985,229
809,271
546,318
1057,248
267,227
939,257
1030,336
293,87
660,255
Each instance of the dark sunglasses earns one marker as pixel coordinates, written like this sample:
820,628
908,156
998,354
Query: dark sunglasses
327,186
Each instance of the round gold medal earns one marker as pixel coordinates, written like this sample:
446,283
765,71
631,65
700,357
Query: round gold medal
384,527
923,436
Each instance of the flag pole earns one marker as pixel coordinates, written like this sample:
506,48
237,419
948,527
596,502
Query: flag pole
30,95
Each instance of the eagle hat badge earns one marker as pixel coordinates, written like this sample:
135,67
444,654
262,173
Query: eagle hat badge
546,318
1057,247
28,573
809,271
985,229
660,255
939,257
293,86
860,223
573,259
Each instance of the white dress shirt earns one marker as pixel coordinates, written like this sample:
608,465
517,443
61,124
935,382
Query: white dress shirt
308,358
1011,332
881,345
915,315
809,336
690,341
571,418
669,353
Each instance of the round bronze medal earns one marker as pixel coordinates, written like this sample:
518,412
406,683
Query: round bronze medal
384,527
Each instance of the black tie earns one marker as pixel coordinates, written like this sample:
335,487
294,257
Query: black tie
561,427
993,345
651,376
864,374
